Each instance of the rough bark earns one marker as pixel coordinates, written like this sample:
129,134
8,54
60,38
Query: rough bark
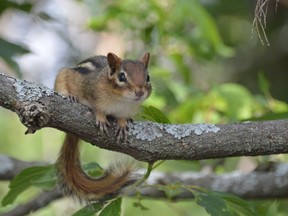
39,202
268,183
10,167
38,107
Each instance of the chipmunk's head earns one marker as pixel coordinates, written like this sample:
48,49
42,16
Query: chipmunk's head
130,78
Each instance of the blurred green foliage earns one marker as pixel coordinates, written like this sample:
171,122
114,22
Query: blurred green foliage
185,38
9,50
23,6
185,24
43,177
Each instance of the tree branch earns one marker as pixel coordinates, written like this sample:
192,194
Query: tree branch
40,201
269,183
10,167
38,107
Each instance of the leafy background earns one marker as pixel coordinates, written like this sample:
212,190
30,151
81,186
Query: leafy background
206,66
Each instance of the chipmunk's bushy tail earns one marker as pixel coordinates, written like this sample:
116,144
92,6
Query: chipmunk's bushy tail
74,181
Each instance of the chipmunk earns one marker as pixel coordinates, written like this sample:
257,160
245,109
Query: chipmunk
109,86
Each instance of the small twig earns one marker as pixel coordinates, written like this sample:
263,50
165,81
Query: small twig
10,167
260,19
39,202
158,164
276,6
146,176
249,185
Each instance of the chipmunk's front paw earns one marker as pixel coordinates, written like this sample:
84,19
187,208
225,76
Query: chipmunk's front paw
103,125
102,122
122,129
122,133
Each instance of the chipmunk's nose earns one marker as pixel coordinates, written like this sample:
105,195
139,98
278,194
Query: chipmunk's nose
139,93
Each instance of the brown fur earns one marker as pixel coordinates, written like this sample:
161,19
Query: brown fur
95,83
74,181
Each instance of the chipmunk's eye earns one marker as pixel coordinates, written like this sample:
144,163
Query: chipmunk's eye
148,78
122,77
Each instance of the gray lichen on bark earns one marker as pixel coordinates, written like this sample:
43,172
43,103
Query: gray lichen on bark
30,91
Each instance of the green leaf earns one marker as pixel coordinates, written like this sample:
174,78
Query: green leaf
238,101
100,22
171,191
264,207
14,65
140,205
89,210
238,205
9,50
263,83
4,4
183,67
212,202
93,169
46,16
113,209
218,204
269,116
43,177
153,114
205,37
47,178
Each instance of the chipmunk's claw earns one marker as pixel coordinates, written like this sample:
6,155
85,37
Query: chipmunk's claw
122,133
72,98
103,125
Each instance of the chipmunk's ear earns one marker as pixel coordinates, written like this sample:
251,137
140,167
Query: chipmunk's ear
145,59
114,62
